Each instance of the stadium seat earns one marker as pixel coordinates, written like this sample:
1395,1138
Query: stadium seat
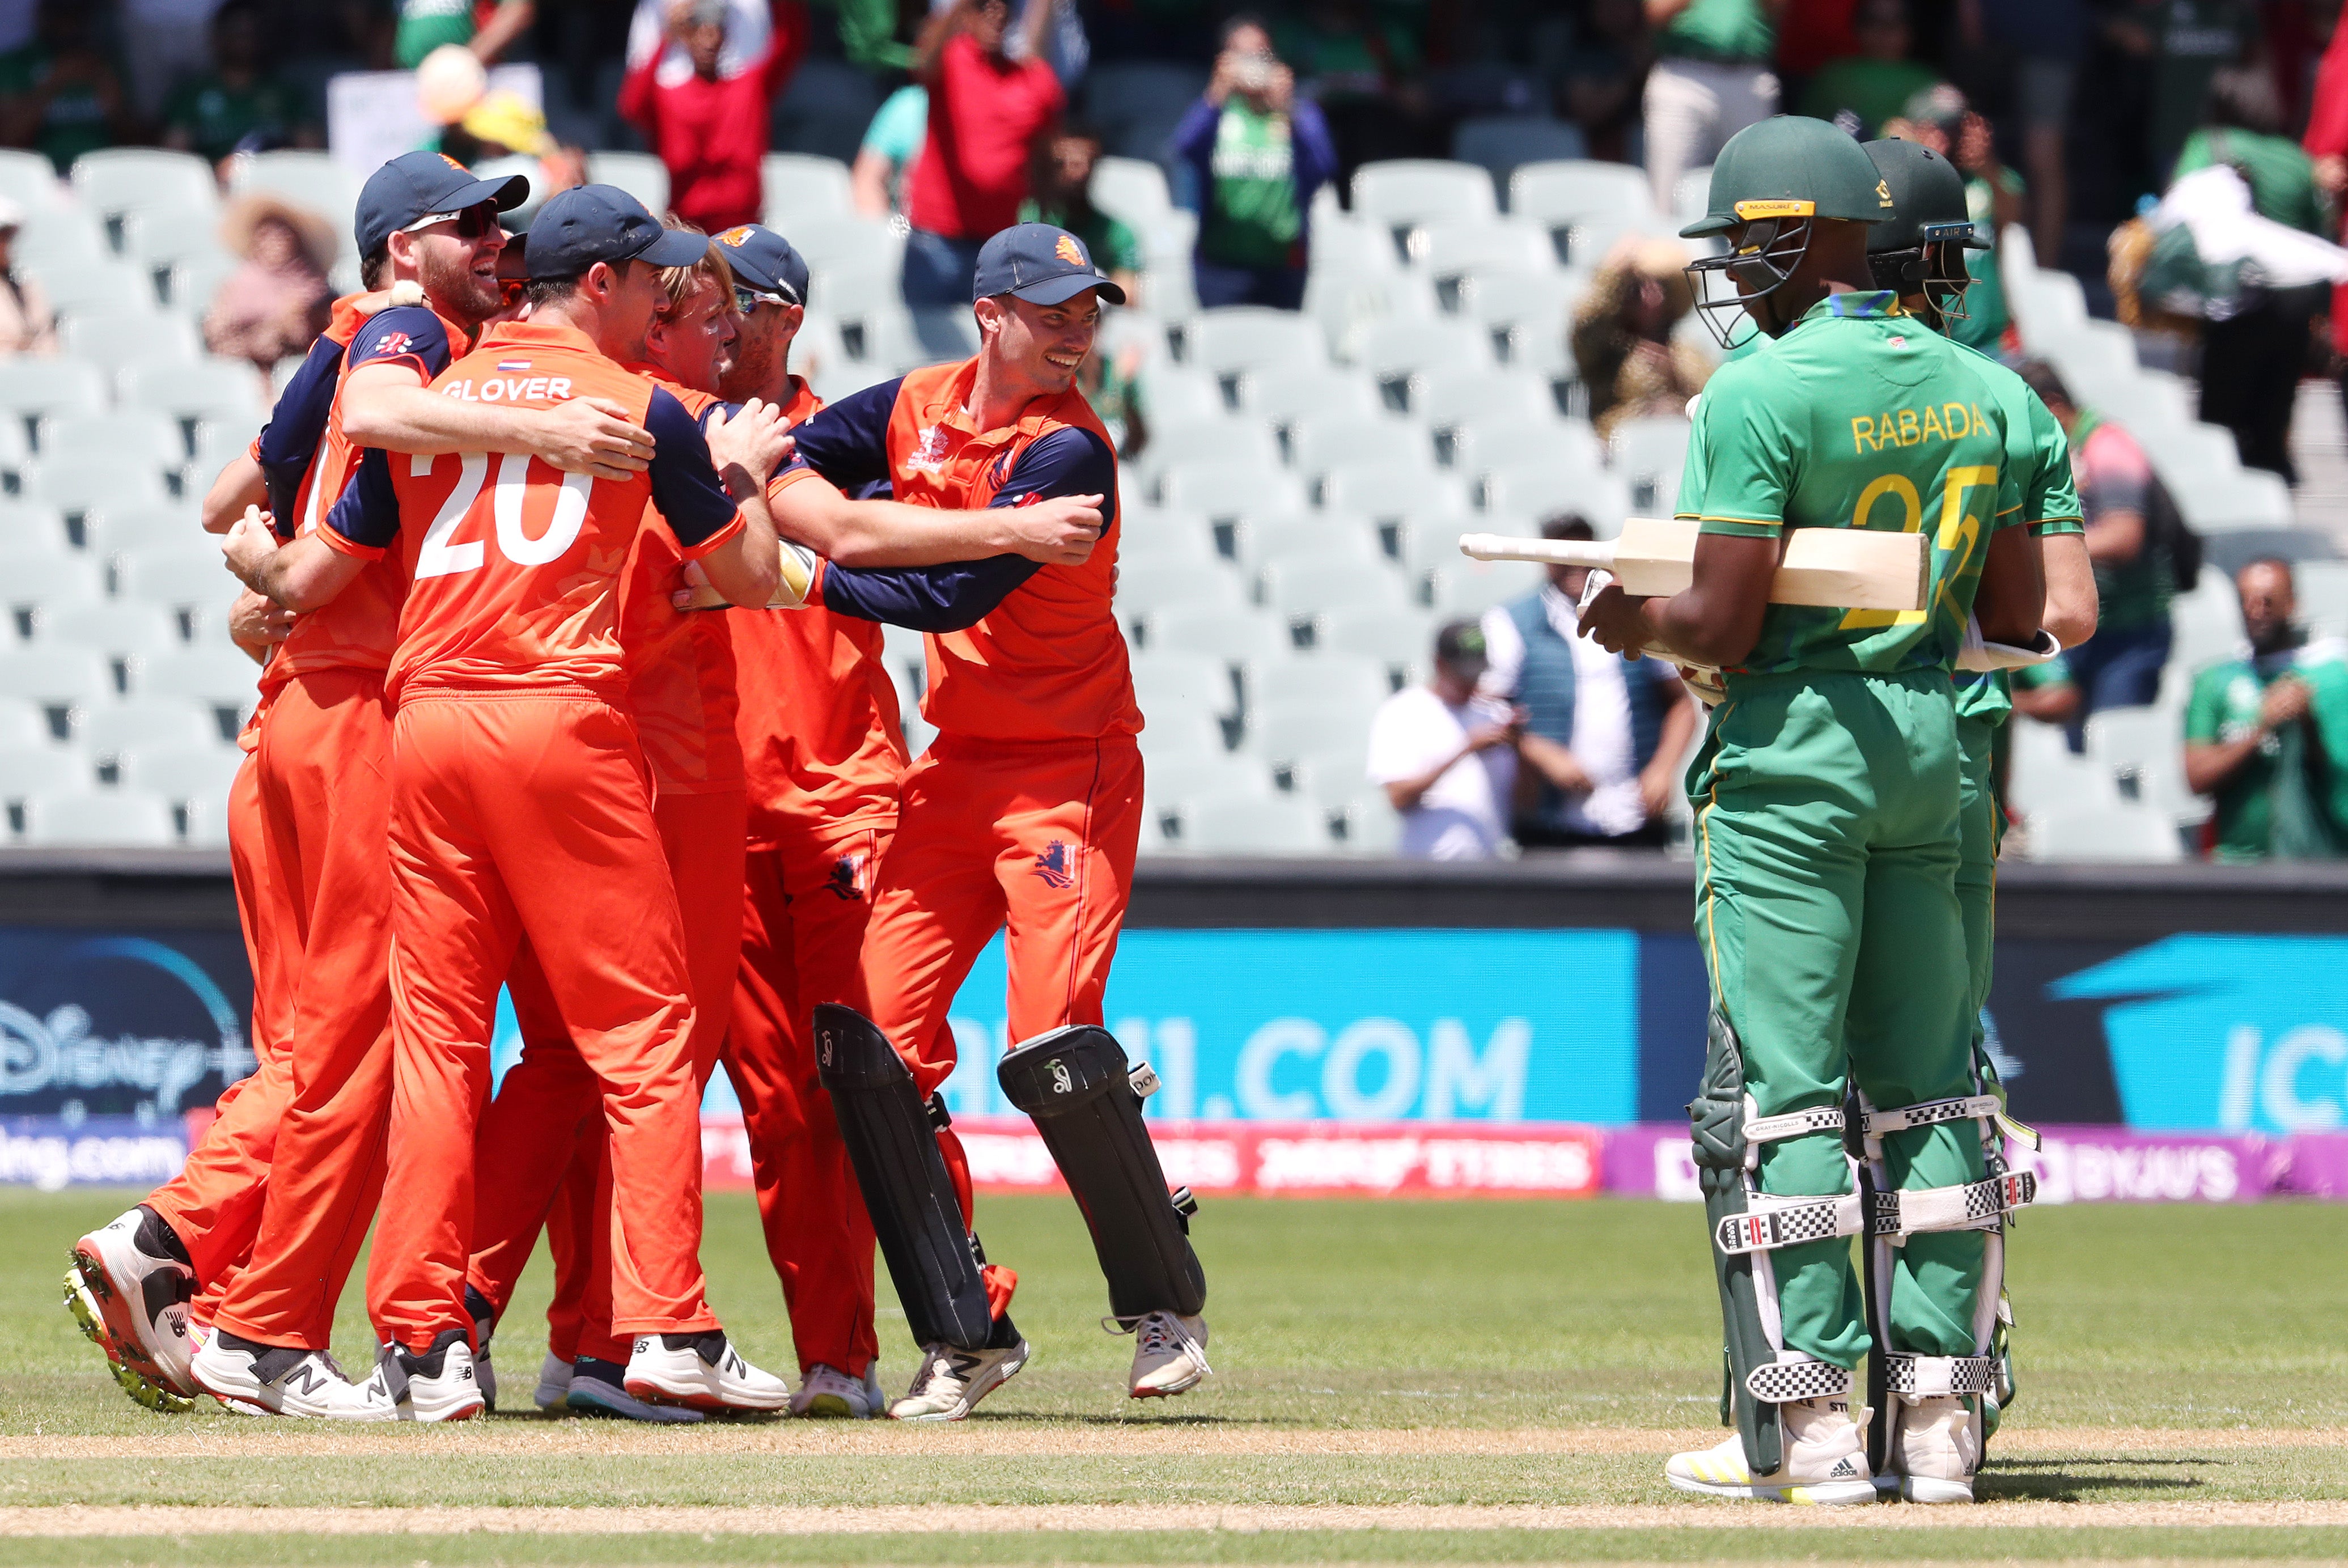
1406,194
1177,731
54,244
1536,488
1648,456
1334,681
315,181
1245,338
1455,398
42,770
180,774
1689,197
30,180
1525,314
1302,590
193,277
1401,354
1207,585
1245,825
1248,640
2111,832
847,245
125,530
2044,303
210,391
115,180
1172,782
220,675
1465,589
1304,541
152,235
1133,190
2230,501
1502,143
129,440
114,627
800,186
115,342
1284,732
1176,679
1391,492
2143,750
1444,251
203,821
154,724
1559,193
32,527
86,489
1281,395
1483,446
1172,391
1221,438
1150,536
1224,491
1321,444
38,390
102,288
1403,643
2322,589
1367,824
191,580
108,819
35,585
2045,775
23,726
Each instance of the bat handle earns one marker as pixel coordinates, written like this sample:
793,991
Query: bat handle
1553,551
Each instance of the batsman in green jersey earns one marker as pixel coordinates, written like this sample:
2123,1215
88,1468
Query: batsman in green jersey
1828,829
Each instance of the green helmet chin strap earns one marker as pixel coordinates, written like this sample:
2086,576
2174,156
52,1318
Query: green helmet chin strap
1921,248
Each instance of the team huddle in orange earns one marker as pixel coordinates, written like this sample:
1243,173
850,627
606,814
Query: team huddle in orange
568,596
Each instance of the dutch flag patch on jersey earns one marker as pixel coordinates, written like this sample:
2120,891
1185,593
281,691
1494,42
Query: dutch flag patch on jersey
513,365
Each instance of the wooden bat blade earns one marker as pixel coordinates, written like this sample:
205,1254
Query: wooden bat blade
1840,568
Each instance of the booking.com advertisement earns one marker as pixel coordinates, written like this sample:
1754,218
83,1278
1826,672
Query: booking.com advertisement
1357,1060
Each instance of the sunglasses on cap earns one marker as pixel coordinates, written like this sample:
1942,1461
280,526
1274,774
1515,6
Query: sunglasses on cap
473,222
747,300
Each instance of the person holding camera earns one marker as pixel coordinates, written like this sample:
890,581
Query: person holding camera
1259,153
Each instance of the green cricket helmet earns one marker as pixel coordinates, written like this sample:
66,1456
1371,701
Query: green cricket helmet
1920,249
1767,184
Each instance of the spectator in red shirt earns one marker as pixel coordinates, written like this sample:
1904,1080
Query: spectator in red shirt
711,129
987,110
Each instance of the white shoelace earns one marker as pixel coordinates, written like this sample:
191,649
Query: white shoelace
1163,1334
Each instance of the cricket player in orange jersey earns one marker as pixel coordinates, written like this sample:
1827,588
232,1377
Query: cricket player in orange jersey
522,806
1025,812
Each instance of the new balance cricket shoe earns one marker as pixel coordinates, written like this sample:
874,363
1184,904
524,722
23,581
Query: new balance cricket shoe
1170,1355
1936,1448
599,1388
138,1276
92,1323
485,1322
261,1379
827,1392
554,1374
703,1371
1825,1464
950,1381
438,1386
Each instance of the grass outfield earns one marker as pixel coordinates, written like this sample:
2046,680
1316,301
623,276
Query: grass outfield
1399,1381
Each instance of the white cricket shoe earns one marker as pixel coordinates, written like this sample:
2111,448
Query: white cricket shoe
553,1382
1936,1448
253,1378
1169,1355
91,1320
701,1371
597,1389
827,1392
950,1381
439,1385
137,1274
1825,1466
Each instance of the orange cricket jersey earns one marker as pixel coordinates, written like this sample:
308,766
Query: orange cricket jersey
1048,660
515,567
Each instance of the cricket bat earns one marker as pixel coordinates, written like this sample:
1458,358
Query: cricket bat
1844,568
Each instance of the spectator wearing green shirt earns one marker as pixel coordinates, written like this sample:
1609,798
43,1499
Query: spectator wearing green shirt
1061,186
1258,153
60,95
426,24
2265,733
209,115
1712,77
1862,91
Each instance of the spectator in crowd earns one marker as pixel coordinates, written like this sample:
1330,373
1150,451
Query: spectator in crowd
2193,41
2265,733
2252,358
210,114
884,162
2326,142
1940,118
1447,757
1861,91
1062,183
1259,153
26,325
2041,43
1712,78
1622,334
2120,665
59,95
1604,736
988,107
426,24
711,128
870,33
276,303
1361,69
1603,74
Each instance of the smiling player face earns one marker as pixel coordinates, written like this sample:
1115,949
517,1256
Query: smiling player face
459,274
695,342
1042,344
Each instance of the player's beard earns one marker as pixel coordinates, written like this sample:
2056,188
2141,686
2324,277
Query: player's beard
751,373
458,293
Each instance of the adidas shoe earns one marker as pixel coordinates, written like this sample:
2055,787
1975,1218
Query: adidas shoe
951,1381
1825,1464
485,1322
703,1371
554,1376
92,1322
438,1386
137,1274
277,1380
827,1392
599,1388
1936,1447
1170,1355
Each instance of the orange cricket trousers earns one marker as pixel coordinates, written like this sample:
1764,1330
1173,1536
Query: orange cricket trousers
1034,838
805,908
214,1203
540,1141
529,815
325,783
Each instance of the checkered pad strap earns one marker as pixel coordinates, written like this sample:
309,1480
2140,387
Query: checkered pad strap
1783,1221
1782,1382
1931,1377
1794,1124
1950,1208
1931,1113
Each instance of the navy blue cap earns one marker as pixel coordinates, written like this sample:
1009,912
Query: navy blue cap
764,260
417,185
1041,264
591,223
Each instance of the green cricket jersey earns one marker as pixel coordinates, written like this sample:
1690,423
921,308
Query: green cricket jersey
1860,416
2300,757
